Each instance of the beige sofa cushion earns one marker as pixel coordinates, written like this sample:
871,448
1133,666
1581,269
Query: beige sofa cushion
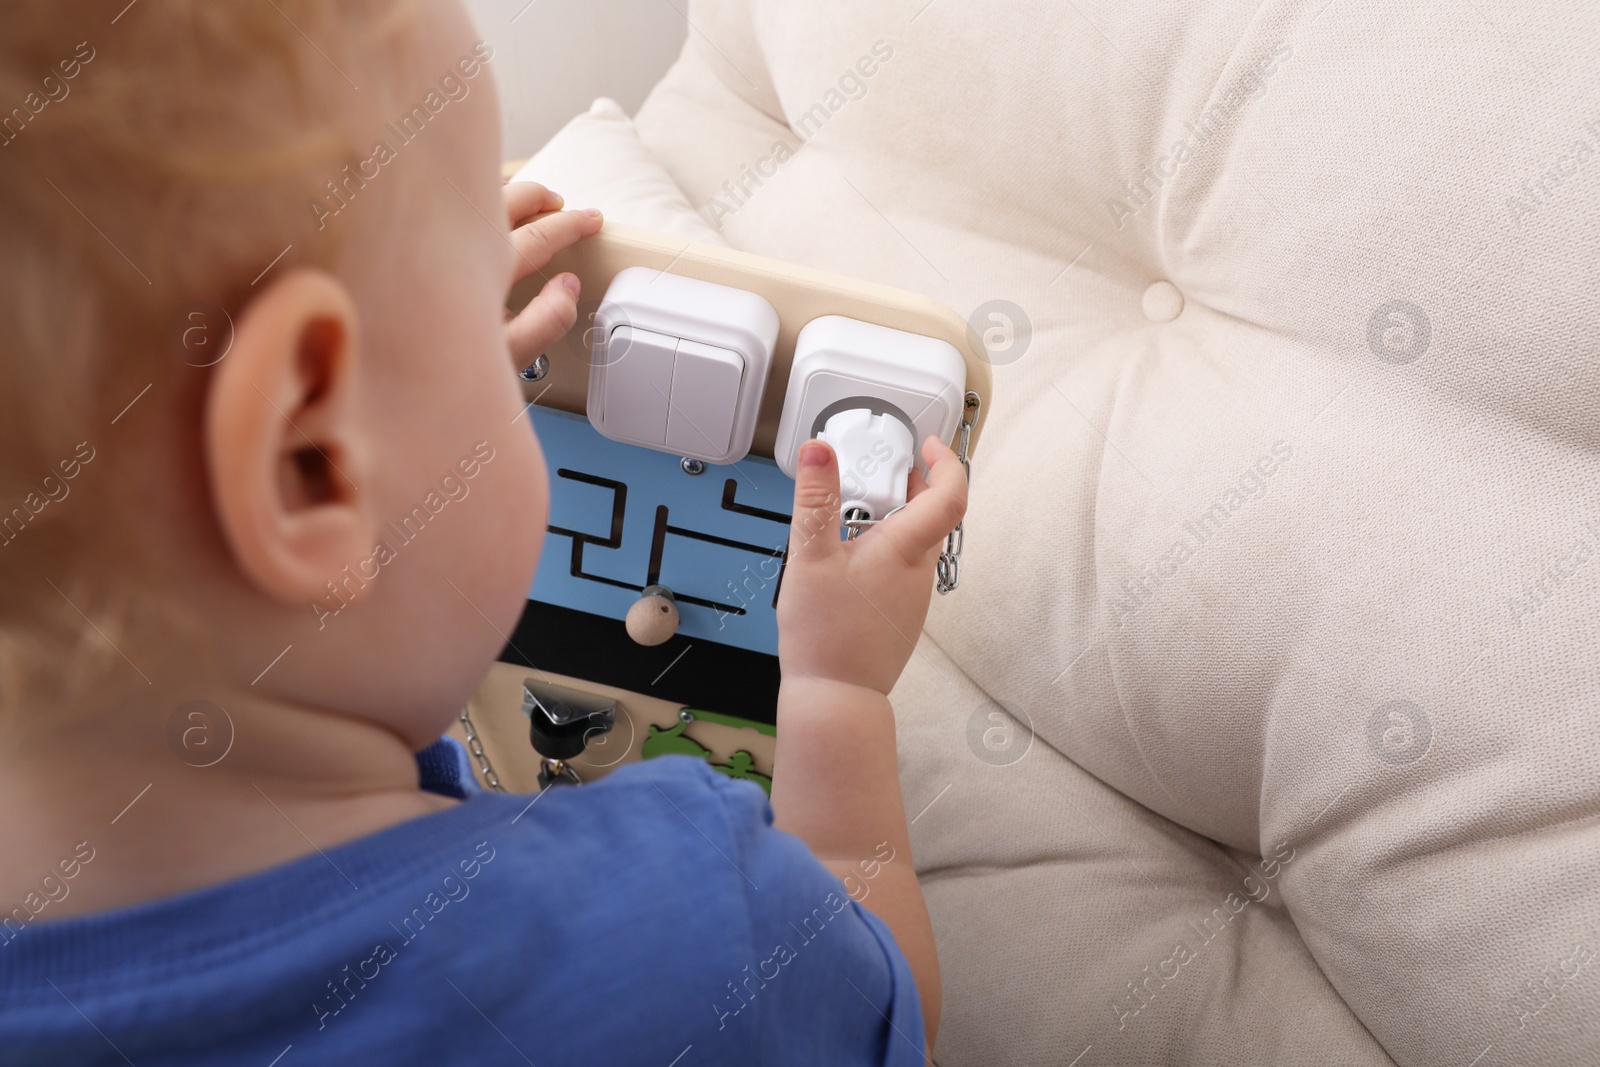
1265,726
597,160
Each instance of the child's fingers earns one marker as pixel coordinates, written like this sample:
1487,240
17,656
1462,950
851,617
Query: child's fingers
917,484
926,520
525,200
545,319
814,529
542,238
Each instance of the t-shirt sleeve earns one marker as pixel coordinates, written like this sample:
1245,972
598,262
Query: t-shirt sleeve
826,981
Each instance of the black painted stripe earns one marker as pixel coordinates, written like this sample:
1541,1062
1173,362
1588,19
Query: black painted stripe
596,648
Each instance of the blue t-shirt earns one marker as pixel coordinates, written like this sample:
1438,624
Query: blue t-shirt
654,917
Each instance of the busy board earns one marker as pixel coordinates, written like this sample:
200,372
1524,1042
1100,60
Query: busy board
626,519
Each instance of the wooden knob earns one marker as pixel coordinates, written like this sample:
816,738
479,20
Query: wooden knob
653,619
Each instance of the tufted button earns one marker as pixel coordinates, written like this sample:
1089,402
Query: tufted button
1162,302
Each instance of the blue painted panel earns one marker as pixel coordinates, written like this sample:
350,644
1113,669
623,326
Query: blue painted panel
721,563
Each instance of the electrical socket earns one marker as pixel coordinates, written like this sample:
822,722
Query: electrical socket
842,364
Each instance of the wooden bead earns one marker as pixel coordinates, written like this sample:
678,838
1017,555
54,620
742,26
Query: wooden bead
653,619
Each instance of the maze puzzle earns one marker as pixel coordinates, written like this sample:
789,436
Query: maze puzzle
623,518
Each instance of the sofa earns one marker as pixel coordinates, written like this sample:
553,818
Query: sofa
1265,724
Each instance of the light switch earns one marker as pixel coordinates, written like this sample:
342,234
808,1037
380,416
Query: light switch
636,395
705,396
707,347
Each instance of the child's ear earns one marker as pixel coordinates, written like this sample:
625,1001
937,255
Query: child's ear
286,451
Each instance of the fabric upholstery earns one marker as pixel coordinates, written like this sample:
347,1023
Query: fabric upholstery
599,155
1283,550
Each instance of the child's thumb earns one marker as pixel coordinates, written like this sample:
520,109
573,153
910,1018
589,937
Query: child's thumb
814,530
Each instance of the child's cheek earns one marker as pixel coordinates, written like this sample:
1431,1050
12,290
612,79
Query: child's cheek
521,502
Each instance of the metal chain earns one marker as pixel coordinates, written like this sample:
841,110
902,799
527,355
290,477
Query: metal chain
476,746
949,567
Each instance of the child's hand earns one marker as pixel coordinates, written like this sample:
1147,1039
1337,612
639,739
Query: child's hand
540,229
851,611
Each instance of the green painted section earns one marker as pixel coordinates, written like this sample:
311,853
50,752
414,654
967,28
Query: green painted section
674,742
741,765
659,742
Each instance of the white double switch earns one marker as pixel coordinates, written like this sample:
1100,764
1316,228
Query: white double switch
682,395
680,365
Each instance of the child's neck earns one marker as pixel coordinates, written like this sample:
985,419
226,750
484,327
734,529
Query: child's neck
125,786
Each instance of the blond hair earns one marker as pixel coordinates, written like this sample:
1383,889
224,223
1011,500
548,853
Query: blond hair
153,156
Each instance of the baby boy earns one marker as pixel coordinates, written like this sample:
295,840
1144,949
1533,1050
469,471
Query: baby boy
256,259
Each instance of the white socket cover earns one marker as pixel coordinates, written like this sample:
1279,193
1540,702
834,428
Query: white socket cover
680,365
842,363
